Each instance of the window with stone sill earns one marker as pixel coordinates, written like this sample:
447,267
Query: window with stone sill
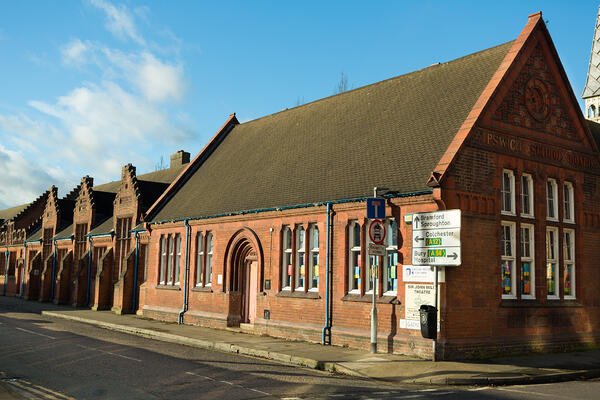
313,267
286,261
551,200
80,240
354,257
569,264
507,266
526,196
300,265
122,241
170,260
508,192
300,258
204,256
390,272
552,263
568,203
527,262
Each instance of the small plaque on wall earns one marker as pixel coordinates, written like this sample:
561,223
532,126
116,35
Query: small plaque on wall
267,284
267,314
220,279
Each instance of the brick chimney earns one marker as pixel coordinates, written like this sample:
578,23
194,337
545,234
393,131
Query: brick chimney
179,158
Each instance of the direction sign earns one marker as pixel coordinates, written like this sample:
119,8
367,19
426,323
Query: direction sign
436,238
375,208
377,231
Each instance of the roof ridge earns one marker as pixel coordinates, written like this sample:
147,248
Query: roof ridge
415,72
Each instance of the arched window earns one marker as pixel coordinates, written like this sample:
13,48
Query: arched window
286,263
300,258
354,257
591,111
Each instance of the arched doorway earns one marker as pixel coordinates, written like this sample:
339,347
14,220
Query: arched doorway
245,272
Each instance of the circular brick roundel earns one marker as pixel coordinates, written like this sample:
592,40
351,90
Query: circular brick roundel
536,99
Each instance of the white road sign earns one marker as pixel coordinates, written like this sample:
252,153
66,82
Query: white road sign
377,249
436,238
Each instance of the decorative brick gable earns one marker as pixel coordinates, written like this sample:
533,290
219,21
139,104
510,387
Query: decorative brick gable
534,101
128,194
51,211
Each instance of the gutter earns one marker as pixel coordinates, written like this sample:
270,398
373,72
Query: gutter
293,207
24,269
186,274
326,333
54,255
7,255
89,272
135,271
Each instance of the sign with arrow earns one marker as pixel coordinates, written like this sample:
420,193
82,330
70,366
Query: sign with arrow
436,238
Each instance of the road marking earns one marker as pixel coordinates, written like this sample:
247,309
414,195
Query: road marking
201,376
532,393
260,391
28,390
35,333
479,388
110,352
410,396
441,393
232,384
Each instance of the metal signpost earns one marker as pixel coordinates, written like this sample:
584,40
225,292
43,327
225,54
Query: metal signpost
377,233
436,242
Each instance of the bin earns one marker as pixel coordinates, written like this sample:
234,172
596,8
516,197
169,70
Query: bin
428,317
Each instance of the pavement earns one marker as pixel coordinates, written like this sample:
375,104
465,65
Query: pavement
392,368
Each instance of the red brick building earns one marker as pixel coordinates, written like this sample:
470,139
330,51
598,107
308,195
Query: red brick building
50,239
266,228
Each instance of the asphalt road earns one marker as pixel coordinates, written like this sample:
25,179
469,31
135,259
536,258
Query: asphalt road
58,359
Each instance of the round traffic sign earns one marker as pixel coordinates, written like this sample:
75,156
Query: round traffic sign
377,231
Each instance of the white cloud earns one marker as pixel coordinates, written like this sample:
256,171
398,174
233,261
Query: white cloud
74,52
158,81
125,113
119,21
15,190
103,123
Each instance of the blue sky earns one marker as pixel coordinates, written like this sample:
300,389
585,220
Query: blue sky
88,86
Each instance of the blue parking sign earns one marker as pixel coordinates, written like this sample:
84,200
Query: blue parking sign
375,208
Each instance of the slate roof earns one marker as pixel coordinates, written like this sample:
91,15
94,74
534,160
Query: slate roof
389,134
163,176
12,212
65,233
36,235
105,225
151,186
592,84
